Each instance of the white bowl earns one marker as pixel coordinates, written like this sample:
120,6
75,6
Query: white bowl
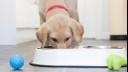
84,56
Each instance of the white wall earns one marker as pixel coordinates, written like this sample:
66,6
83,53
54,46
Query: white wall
94,16
105,20
7,22
27,14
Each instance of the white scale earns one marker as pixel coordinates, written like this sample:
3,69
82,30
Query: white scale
83,56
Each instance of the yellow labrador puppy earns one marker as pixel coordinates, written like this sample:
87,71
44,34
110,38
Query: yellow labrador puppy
60,26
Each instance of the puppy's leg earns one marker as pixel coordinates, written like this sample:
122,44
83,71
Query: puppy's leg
42,18
72,8
74,15
41,7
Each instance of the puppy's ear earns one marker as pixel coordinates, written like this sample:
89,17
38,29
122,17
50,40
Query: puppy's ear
42,34
77,32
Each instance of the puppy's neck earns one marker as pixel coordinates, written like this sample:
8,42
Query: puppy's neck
55,11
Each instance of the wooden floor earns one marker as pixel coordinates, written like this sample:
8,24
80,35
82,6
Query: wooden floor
26,49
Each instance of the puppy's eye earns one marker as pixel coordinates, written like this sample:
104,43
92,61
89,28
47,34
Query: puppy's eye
54,39
67,38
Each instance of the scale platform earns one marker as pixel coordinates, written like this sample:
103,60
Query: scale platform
83,56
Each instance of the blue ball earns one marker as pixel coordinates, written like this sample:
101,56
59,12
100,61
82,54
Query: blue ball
16,61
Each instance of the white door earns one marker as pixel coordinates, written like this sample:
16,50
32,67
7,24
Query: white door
7,22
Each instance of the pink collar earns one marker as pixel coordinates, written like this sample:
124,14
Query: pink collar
57,6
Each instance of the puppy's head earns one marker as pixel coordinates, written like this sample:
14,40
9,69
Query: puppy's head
60,37
60,33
